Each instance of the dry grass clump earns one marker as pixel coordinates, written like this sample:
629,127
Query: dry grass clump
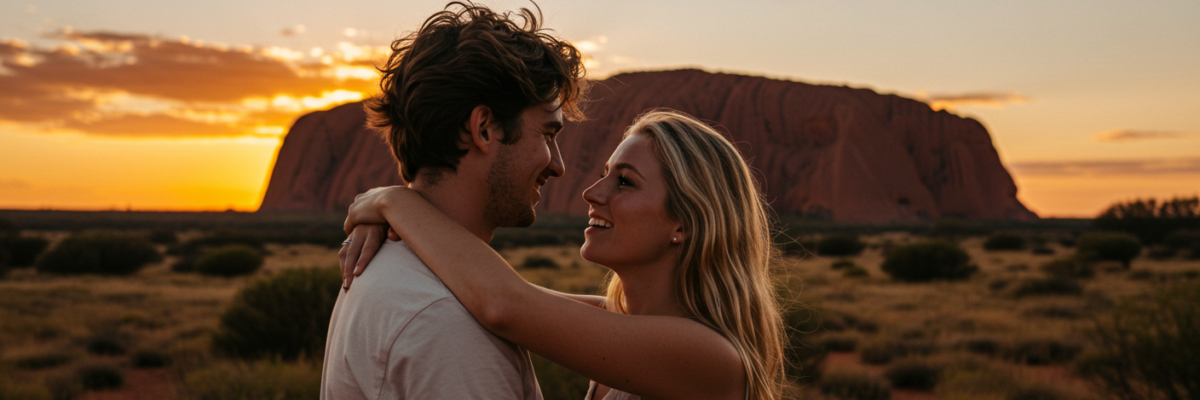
853,385
255,380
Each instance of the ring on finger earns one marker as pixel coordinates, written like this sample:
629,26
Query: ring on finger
346,242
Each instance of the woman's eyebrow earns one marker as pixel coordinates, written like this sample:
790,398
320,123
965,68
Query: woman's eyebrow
629,167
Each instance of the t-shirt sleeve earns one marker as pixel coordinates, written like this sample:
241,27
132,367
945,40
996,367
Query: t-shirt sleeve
443,353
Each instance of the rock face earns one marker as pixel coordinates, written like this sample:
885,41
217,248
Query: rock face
836,153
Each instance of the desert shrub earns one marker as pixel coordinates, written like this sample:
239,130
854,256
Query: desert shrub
258,380
46,360
108,344
147,358
13,390
230,260
162,236
980,345
851,385
64,385
539,262
998,284
285,316
1042,250
1068,268
855,272
1109,246
840,245
507,238
100,376
883,352
1042,351
23,250
1148,349
4,264
802,355
1048,287
556,381
839,343
1004,241
1036,392
928,261
913,374
842,264
99,253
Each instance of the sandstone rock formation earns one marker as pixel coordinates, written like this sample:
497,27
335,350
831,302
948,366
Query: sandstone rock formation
837,153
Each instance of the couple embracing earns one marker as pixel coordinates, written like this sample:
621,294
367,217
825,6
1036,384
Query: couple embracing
472,104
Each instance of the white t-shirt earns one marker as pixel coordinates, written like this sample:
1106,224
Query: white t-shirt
399,333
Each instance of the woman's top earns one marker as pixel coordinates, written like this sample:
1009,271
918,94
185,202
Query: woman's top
614,394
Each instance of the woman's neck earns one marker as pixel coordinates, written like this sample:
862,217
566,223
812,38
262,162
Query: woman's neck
650,289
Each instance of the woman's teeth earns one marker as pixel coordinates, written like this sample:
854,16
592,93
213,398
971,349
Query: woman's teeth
600,223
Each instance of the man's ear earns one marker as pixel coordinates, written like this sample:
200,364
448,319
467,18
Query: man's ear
481,130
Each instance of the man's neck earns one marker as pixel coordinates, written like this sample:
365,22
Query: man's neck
461,204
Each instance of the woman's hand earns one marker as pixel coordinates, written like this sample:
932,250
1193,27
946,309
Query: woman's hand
365,226
365,241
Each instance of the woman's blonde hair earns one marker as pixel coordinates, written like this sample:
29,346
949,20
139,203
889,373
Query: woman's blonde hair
723,278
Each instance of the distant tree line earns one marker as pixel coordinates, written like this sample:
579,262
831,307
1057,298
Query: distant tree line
1150,220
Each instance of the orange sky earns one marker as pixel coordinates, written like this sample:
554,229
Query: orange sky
103,119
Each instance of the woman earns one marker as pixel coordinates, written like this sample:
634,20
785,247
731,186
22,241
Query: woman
689,311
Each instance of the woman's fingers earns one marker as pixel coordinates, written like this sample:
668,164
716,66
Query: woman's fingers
392,234
374,240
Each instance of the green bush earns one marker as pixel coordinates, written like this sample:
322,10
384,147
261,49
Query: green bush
285,316
1148,349
853,386
928,261
100,376
109,344
258,380
1004,241
230,260
23,250
1048,287
980,345
1068,268
913,374
1151,220
539,262
840,245
99,253
883,352
44,360
1109,246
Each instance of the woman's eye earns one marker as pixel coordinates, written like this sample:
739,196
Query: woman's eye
624,182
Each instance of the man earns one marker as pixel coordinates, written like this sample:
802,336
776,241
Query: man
470,106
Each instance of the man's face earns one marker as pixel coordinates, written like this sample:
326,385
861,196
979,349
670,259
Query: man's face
521,168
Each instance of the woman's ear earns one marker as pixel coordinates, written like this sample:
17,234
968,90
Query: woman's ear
679,235
477,134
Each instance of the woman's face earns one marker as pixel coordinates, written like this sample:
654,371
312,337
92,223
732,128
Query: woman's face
627,209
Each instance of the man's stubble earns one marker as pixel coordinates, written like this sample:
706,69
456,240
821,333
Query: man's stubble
508,201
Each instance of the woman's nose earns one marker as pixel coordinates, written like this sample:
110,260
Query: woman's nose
595,194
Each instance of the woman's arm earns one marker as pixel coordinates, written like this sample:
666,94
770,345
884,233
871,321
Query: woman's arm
365,240
652,356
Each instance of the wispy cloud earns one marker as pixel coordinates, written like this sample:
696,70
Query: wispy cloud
109,83
950,102
1109,167
596,58
1132,135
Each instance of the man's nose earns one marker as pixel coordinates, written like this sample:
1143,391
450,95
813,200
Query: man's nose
557,167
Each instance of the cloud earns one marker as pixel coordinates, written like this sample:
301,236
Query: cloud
950,102
293,30
1108,167
113,83
1129,135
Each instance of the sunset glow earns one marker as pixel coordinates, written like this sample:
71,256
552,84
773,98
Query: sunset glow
98,113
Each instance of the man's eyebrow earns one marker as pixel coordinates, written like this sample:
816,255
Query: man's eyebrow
629,167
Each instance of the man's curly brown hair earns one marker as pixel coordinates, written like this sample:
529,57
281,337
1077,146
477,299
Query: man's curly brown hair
462,57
